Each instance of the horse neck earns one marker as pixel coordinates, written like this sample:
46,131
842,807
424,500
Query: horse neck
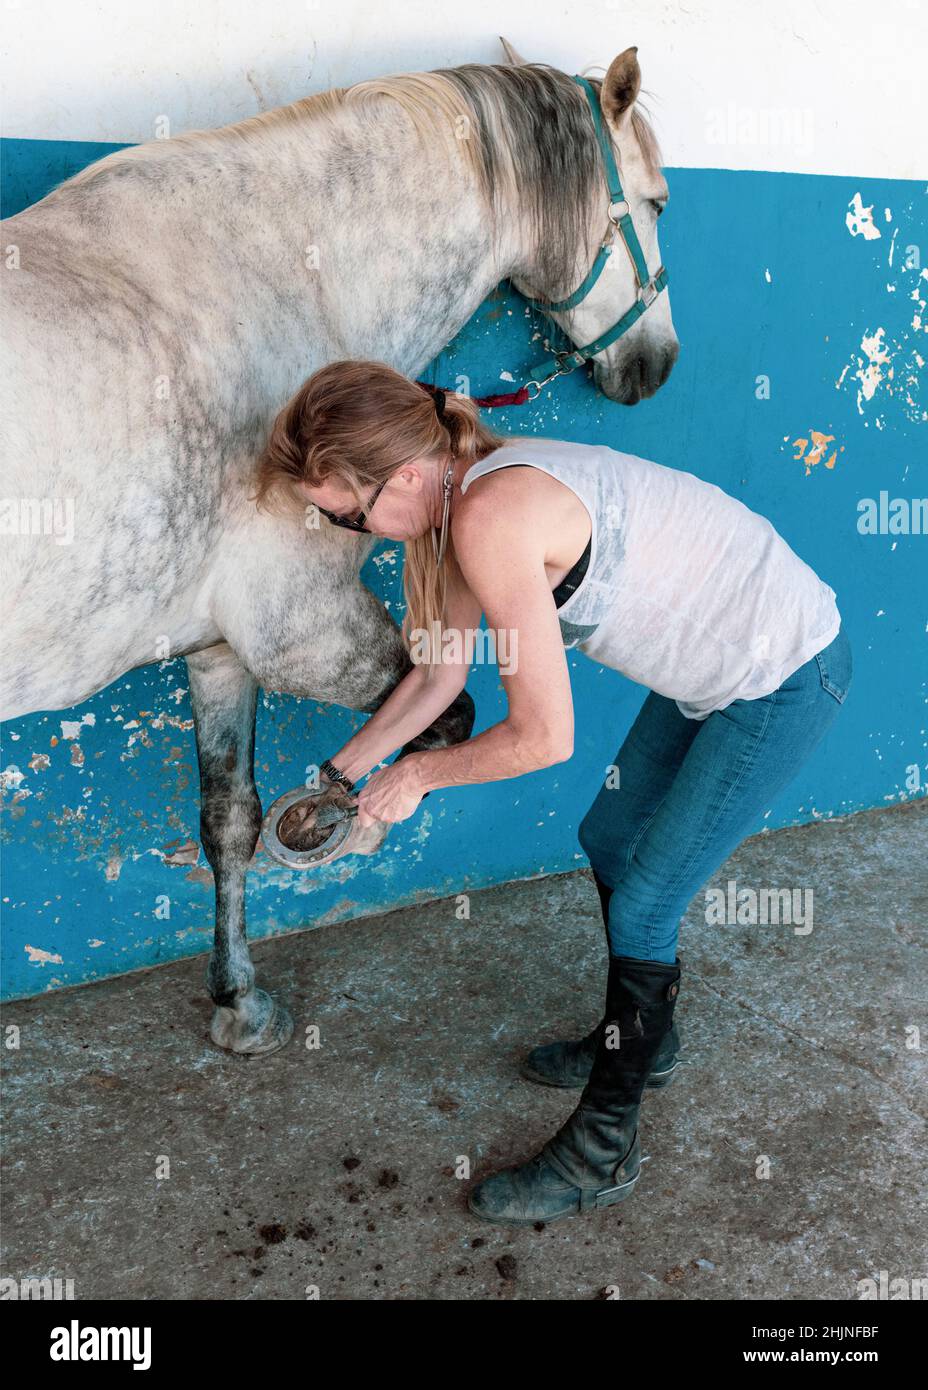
407,250
309,238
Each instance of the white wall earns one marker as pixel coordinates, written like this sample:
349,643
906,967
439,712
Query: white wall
815,86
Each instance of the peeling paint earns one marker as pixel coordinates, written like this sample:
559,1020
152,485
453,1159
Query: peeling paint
874,350
859,220
386,557
39,957
886,368
71,728
200,875
813,450
181,852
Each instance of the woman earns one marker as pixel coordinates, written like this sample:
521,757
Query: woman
645,569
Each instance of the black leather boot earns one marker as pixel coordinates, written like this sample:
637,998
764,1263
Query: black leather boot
594,1160
567,1064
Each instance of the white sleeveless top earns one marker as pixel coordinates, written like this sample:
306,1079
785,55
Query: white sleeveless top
687,591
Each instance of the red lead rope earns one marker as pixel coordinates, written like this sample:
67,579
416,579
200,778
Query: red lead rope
489,402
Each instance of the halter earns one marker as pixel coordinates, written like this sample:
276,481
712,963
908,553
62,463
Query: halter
649,286
620,223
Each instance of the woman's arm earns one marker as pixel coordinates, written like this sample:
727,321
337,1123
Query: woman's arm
503,565
416,701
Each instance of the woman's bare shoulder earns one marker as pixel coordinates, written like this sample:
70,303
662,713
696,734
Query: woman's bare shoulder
496,504
520,481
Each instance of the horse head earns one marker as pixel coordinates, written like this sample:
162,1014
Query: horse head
563,275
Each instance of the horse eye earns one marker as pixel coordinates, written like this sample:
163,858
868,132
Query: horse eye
658,204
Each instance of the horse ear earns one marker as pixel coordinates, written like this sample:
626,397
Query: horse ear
621,86
512,57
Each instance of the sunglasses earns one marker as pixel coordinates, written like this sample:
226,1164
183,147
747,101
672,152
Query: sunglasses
355,523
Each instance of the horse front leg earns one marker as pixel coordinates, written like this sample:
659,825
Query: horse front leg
454,726
224,698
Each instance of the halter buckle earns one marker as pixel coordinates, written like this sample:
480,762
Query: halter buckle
649,292
615,216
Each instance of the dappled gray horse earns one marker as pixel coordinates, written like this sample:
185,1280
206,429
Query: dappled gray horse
162,305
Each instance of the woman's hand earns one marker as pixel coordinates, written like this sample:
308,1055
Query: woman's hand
390,795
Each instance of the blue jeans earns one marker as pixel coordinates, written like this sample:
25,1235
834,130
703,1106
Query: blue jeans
690,791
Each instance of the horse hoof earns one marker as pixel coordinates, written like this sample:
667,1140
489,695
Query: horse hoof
258,1026
366,841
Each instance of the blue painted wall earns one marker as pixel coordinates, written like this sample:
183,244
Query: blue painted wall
766,280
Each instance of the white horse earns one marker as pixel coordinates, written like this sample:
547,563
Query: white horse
163,304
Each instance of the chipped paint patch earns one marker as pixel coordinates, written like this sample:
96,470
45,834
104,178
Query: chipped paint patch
181,852
813,450
200,875
873,347
39,957
386,557
886,369
859,220
71,728
171,721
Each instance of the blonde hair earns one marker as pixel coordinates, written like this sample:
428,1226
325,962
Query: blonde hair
359,423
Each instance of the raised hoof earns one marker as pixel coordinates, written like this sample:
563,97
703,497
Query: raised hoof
258,1025
534,1192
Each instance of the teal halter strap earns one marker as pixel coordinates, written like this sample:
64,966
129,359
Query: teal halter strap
621,224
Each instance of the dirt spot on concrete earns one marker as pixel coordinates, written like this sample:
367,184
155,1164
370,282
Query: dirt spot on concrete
441,1100
272,1234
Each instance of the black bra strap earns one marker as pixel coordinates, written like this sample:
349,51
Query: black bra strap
571,581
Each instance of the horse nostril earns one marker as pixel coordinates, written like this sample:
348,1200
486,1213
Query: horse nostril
667,362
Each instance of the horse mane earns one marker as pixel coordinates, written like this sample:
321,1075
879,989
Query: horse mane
533,144
524,130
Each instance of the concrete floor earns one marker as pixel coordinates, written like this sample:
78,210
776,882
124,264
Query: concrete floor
335,1167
